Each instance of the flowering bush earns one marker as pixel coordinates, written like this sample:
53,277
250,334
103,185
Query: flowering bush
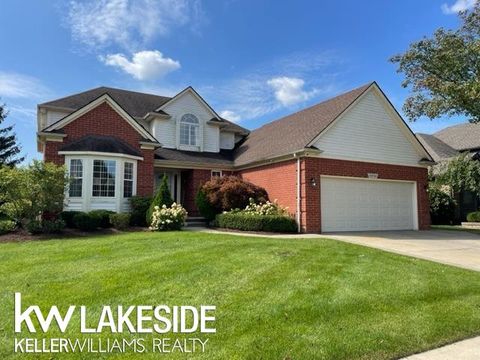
168,218
267,208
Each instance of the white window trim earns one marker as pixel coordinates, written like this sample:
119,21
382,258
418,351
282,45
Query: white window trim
216,171
82,177
87,201
134,178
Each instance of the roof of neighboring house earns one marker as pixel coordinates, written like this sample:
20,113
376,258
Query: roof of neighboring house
101,143
461,137
294,132
137,104
224,157
436,147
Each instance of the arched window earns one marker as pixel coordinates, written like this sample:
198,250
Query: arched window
189,130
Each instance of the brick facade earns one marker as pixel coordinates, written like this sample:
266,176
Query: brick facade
191,182
104,120
278,179
280,182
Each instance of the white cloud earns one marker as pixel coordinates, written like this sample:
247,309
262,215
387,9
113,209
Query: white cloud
289,90
459,5
100,23
251,96
230,115
14,85
145,65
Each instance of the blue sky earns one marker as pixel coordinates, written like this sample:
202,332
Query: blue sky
253,61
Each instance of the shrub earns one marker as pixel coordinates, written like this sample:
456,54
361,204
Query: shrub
6,226
162,197
34,227
231,192
138,210
473,216
103,217
442,206
168,218
86,221
247,222
204,207
53,226
120,221
267,208
45,226
27,192
67,216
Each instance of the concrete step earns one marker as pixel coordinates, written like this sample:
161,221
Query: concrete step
195,221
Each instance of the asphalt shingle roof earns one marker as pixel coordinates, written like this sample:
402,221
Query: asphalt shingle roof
137,104
101,143
461,137
294,132
436,147
224,157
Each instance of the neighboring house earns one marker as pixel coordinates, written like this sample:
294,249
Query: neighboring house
348,163
451,142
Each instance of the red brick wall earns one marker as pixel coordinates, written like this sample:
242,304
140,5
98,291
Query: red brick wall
191,181
104,120
278,179
314,167
280,182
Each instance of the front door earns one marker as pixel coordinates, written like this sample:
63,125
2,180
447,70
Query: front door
174,183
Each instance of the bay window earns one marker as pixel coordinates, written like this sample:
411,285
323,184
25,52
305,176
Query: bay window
103,178
128,180
76,178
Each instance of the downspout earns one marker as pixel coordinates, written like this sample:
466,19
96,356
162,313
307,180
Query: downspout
299,202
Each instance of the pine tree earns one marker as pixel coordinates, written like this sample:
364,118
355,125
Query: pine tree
9,149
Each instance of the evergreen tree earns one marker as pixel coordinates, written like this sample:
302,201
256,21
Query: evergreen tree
9,149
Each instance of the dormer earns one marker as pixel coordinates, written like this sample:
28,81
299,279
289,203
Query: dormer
187,122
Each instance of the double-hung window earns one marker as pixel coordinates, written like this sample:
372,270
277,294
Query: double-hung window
189,130
103,178
76,178
128,180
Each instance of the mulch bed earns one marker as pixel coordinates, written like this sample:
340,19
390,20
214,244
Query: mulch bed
22,235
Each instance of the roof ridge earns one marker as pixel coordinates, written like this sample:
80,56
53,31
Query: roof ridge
366,86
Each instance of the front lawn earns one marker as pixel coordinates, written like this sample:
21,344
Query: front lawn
275,298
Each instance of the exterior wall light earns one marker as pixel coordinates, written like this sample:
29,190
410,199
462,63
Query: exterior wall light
313,182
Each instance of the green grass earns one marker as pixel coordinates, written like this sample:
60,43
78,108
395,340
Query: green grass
275,298
455,228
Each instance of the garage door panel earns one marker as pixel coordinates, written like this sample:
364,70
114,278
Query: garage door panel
357,205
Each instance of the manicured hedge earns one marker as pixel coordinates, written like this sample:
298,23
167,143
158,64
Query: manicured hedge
86,221
247,222
67,216
473,216
103,217
120,221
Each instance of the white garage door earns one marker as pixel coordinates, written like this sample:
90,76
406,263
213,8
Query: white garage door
349,204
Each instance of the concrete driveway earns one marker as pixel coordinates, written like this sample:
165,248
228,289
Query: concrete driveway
456,248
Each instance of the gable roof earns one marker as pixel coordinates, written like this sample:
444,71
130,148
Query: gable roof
436,147
136,104
461,137
105,98
294,132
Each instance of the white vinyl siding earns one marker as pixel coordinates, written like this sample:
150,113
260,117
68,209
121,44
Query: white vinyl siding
227,140
349,204
167,131
54,116
368,132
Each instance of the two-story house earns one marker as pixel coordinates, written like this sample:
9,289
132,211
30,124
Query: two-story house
348,163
